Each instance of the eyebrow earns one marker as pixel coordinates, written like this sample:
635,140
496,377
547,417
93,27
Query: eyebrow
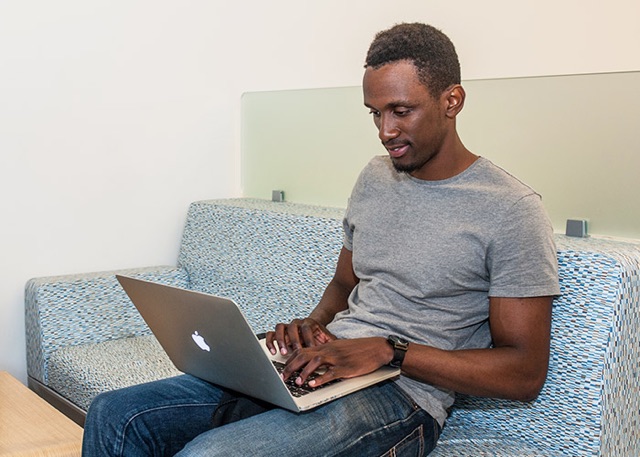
394,104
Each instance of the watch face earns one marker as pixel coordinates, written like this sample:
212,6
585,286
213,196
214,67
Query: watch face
397,342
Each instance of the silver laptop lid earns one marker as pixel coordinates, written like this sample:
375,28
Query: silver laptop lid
208,337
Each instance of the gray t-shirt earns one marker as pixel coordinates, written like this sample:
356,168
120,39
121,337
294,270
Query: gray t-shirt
429,254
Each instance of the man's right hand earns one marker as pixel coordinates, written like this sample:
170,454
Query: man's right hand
297,334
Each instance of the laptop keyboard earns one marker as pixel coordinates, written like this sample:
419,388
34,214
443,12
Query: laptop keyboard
295,389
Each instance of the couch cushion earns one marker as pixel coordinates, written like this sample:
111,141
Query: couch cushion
470,440
79,373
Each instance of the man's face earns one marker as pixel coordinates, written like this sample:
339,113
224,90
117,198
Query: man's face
412,124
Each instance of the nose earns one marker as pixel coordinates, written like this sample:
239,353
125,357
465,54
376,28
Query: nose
387,128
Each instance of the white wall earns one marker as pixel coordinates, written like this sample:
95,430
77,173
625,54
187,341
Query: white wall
115,114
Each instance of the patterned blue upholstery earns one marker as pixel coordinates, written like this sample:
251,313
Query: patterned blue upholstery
274,259
71,310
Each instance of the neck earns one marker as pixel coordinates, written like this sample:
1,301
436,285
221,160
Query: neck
453,159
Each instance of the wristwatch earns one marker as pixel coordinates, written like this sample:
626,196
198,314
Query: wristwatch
400,347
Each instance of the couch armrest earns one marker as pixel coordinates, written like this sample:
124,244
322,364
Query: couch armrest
70,310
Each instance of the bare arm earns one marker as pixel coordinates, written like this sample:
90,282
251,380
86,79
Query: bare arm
515,368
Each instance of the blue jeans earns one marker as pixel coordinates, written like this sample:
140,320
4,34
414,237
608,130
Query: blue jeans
174,417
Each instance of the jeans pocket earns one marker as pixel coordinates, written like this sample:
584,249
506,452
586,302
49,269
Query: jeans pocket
411,445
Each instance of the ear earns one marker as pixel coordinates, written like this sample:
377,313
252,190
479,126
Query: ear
453,99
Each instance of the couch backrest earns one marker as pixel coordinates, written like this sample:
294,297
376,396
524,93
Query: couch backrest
273,259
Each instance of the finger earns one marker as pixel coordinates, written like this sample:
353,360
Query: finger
310,368
328,376
322,374
308,334
293,334
268,339
322,336
281,339
293,365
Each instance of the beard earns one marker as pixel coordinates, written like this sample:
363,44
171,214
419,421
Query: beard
415,160
410,166
404,167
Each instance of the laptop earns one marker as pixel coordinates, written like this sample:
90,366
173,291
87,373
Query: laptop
208,337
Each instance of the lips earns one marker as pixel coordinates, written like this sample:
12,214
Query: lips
397,150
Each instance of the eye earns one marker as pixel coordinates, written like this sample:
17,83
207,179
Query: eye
401,112
374,113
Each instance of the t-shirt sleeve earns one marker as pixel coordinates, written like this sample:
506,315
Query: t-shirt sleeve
356,195
347,229
522,257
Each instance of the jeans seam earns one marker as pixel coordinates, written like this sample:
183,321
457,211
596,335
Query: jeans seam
393,452
120,447
386,426
437,430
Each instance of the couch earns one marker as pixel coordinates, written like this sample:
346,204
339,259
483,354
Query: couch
274,258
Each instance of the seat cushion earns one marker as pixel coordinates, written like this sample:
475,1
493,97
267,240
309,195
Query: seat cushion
465,441
79,373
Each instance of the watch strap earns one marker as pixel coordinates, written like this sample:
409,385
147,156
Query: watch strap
400,347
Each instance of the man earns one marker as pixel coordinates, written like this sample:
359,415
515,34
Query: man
448,270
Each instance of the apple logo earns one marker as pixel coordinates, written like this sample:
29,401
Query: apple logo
202,344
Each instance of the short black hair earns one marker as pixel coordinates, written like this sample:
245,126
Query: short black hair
430,50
